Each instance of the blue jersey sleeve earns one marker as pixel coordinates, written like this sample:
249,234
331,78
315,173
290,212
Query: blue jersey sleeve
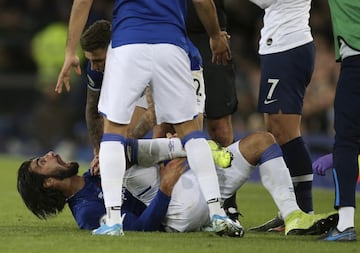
87,207
151,218
94,78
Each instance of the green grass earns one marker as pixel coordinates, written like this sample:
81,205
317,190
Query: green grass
20,231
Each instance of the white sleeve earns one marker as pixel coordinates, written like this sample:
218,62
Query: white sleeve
263,4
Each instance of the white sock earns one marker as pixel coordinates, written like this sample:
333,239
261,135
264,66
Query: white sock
113,215
276,179
346,218
152,151
112,169
201,162
215,207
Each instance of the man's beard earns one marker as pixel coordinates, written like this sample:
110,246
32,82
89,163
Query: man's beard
72,170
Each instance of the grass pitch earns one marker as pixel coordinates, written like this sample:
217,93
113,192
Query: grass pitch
21,231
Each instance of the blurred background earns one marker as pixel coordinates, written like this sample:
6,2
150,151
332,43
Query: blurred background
33,119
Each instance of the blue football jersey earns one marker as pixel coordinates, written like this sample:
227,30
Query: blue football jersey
94,78
144,21
87,207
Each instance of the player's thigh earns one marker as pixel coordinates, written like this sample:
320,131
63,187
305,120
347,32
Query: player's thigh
347,102
231,179
284,78
127,72
187,210
172,85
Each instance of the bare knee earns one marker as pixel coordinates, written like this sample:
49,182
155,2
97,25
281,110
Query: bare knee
254,145
261,139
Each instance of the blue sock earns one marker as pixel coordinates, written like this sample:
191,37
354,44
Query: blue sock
298,160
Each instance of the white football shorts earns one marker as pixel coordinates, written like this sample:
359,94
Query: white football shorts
130,68
187,211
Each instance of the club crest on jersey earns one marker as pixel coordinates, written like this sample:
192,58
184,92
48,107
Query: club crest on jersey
269,41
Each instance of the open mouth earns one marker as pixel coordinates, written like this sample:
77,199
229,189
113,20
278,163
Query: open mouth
60,161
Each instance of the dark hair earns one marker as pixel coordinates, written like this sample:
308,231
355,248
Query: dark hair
96,36
41,201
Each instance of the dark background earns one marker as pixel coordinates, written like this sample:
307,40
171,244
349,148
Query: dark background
34,119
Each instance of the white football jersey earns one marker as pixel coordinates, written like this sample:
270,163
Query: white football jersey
286,25
263,4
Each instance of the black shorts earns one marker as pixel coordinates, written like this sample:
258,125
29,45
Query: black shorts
284,78
221,99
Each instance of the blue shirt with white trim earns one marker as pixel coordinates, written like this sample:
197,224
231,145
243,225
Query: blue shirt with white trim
87,207
94,78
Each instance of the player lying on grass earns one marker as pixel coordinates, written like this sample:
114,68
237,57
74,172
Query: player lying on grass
94,42
97,62
47,183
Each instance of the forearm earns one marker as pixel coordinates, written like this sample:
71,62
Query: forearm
79,14
143,120
143,125
206,11
94,120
